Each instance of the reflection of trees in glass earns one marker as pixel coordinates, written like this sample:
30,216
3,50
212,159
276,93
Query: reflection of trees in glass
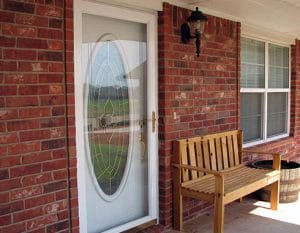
108,116
109,92
115,100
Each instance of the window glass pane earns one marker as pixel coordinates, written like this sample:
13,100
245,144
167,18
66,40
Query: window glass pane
278,66
277,113
251,116
252,64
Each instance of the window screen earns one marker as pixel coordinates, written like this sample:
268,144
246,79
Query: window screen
252,116
253,64
277,113
278,66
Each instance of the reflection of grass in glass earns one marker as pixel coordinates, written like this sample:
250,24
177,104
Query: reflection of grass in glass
109,162
118,107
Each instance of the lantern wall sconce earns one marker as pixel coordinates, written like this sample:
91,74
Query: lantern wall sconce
194,22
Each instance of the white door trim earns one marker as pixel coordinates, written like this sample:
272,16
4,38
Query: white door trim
81,7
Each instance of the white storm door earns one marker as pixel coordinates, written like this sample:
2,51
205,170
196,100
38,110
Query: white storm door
116,96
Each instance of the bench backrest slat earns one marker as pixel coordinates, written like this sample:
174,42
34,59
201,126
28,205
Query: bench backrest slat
236,150
199,155
184,160
224,152
206,155
230,151
219,154
193,160
213,152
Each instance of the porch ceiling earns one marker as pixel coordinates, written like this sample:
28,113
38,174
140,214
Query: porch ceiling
276,16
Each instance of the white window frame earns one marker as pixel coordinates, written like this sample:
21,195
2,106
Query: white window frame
267,90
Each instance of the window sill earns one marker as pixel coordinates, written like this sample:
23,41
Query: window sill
261,142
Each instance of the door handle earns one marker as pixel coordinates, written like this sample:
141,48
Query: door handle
153,121
142,139
142,136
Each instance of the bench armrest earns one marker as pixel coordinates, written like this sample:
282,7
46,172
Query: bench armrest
276,157
215,173
261,152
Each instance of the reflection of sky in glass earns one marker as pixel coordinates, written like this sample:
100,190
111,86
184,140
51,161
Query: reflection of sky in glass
107,68
108,61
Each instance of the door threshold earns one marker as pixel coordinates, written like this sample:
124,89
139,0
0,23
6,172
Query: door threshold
141,227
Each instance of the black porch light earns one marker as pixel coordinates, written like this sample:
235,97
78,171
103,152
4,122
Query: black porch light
194,22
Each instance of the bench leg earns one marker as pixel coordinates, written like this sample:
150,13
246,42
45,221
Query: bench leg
177,207
177,201
219,215
274,195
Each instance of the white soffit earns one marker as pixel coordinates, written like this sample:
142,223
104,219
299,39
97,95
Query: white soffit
274,19
277,20
148,5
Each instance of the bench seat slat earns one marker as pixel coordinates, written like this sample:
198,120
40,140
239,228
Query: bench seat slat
196,181
233,180
249,187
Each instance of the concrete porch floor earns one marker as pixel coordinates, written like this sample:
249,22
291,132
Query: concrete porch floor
250,216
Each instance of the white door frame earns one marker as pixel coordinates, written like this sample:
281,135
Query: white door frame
81,7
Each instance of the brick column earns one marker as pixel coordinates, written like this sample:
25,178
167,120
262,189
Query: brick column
34,123
197,95
295,98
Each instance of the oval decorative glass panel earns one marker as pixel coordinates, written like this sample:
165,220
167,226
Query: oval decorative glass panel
108,119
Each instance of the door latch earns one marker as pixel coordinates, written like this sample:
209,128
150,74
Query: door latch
153,121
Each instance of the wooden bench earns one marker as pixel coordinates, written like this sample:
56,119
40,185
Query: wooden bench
210,168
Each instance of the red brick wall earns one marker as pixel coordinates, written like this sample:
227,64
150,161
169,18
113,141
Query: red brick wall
295,98
36,128
197,95
201,95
